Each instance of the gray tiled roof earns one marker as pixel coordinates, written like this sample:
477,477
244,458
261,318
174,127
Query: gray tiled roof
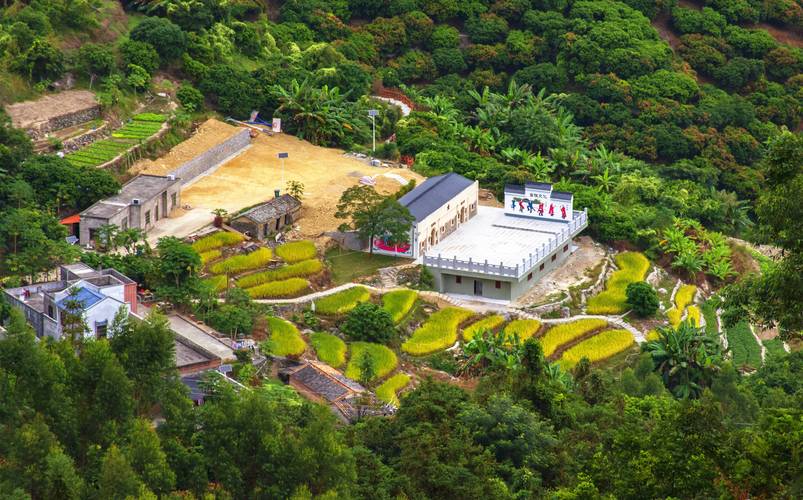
433,193
514,188
562,195
272,209
539,185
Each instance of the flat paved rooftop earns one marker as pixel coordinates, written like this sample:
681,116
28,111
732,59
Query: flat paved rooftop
192,332
491,235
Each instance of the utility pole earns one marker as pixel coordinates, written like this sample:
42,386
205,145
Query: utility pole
282,156
372,113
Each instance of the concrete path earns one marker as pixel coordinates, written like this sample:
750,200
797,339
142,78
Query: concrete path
181,226
405,109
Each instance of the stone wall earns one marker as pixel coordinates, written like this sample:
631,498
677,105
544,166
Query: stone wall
40,130
212,158
83,140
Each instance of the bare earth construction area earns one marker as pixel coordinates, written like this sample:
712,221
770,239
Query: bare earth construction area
252,176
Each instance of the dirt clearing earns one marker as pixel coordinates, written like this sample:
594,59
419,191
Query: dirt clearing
26,114
251,177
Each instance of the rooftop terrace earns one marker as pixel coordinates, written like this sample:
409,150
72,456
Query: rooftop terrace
503,245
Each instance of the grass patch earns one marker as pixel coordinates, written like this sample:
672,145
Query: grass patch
524,328
774,347
239,263
218,283
209,256
398,303
384,360
437,333
285,340
597,348
342,302
633,267
329,348
348,265
217,240
296,251
390,387
299,269
744,348
278,289
488,323
567,332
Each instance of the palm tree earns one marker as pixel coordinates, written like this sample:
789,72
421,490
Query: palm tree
129,238
686,358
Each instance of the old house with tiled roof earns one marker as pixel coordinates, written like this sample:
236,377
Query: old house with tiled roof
267,218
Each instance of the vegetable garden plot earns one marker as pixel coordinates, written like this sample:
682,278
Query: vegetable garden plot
285,340
633,267
329,348
142,127
278,289
296,251
207,257
437,333
299,269
488,323
598,347
564,333
389,389
342,302
398,303
383,359
774,347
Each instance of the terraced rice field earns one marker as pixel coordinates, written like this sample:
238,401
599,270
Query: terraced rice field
389,389
486,324
285,340
522,328
399,303
329,348
564,333
633,267
342,302
745,351
384,360
597,348
437,333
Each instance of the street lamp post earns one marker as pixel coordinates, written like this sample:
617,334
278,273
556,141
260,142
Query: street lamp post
372,113
282,156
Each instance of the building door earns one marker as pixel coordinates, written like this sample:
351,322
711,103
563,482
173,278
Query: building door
477,287
278,223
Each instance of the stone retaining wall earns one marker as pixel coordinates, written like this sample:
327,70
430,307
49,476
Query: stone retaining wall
83,140
40,130
212,158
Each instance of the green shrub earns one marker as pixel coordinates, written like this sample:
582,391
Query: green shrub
598,347
774,347
285,340
278,289
299,269
633,267
384,360
239,263
218,283
524,328
744,349
329,348
438,332
296,251
642,298
564,333
368,322
217,240
488,323
342,302
390,387
398,303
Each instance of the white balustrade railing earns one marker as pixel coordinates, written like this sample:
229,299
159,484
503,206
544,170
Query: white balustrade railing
578,223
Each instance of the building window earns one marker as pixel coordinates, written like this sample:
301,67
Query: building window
529,276
147,217
101,329
157,213
287,219
458,279
497,284
565,248
554,256
173,200
541,267
50,310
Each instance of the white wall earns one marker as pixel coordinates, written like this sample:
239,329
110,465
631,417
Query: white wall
447,218
537,203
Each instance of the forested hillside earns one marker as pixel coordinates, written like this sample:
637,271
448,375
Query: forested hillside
676,123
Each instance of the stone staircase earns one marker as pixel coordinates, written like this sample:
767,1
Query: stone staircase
389,277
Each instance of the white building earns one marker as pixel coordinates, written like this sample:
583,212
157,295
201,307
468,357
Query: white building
96,295
439,205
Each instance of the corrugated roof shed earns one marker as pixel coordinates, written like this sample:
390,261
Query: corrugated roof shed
272,209
433,193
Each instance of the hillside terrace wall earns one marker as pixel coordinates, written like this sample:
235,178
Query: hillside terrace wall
54,112
212,158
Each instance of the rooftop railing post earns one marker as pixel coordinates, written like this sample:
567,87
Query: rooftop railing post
486,265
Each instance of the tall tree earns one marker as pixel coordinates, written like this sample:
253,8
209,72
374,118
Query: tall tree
373,216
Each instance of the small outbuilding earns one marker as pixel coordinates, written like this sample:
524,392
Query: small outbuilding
267,218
